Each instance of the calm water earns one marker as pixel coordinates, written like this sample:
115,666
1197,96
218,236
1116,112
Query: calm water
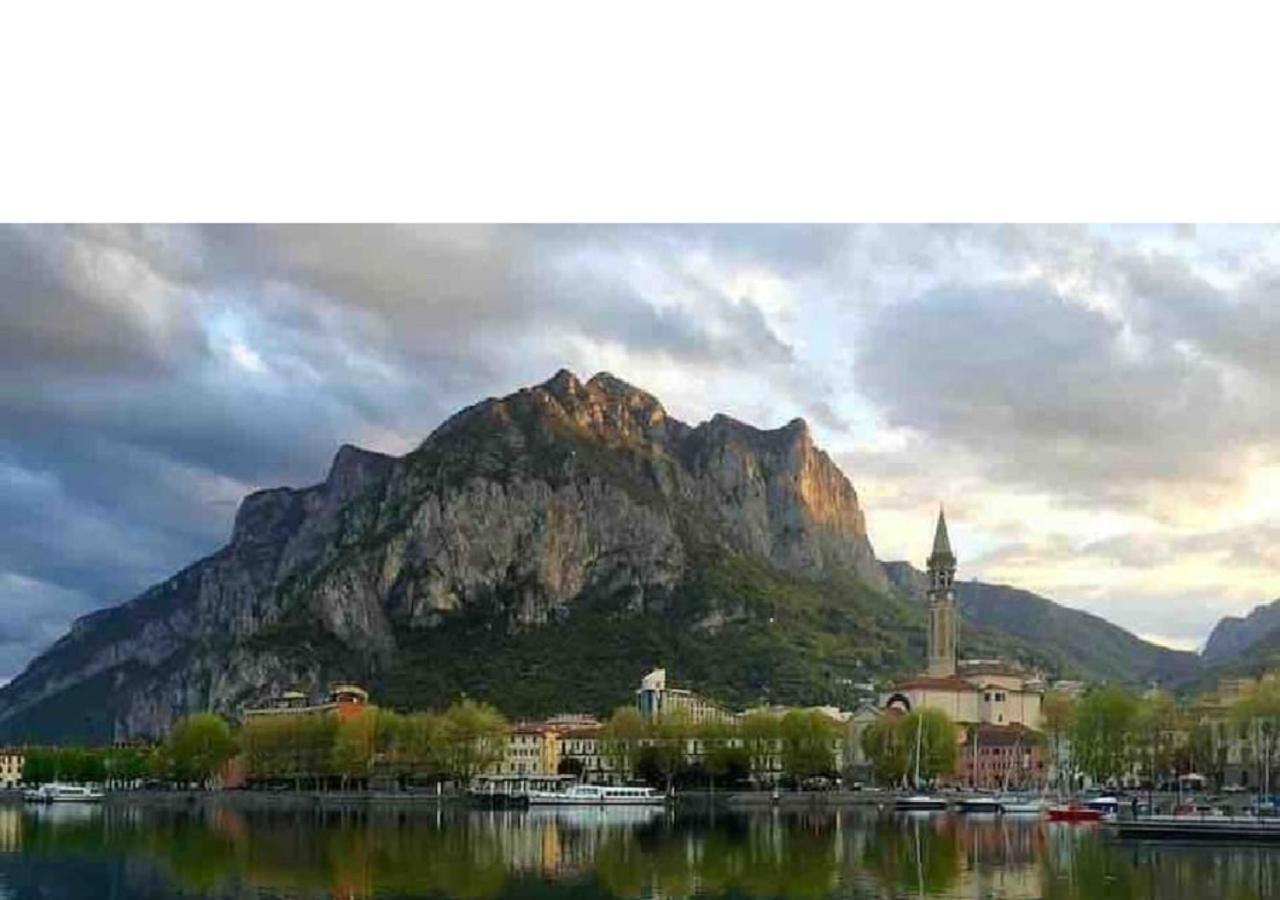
82,852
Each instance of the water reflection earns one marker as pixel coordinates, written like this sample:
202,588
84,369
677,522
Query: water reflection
218,851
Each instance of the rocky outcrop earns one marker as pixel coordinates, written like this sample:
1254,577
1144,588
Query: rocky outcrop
1235,634
513,511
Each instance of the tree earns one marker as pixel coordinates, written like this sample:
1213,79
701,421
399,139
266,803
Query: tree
353,743
1058,717
669,736
198,746
1103,732
1258,713
620,739
808,743
1156,726
889,752
762,737
932,736
474,736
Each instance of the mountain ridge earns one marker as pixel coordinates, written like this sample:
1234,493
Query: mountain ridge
567,514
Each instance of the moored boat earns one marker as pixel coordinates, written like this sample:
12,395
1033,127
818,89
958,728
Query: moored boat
920,802
1074,812
978,805
597,795
55,792
1020,806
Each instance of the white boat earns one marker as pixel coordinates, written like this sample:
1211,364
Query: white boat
978,804
597,795
1020,806
55,792
920,802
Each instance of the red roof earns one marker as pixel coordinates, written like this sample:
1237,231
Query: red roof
950,683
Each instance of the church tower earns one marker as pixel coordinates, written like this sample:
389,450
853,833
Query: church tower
942,604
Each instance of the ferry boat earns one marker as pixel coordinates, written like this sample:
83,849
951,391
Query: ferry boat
54,792
597,795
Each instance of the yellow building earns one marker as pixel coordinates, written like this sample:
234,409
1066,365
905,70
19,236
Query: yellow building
533,748
10,769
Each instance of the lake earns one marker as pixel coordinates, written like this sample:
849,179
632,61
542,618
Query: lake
216,851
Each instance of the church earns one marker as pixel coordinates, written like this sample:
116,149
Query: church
971,692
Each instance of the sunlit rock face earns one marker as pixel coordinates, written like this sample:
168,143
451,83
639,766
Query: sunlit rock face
512,510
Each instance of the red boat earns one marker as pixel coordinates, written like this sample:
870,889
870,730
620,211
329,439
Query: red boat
1074,812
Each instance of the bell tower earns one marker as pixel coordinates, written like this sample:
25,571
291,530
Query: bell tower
942,603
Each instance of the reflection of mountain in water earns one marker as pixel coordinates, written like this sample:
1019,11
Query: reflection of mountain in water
363,853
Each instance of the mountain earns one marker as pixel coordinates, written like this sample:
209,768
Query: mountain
1069,642
540,550
527,533
1233,634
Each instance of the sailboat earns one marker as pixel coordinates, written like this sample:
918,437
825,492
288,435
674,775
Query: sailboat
919,802
1012,804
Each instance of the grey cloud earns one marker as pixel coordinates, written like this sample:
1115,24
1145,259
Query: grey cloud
1048,392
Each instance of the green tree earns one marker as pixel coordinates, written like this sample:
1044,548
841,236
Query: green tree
889,752
474,737
198,746
353,744
761,735
666,749
1103,733
1156,729
938,742
620,739
809,743
1057,718
1258,713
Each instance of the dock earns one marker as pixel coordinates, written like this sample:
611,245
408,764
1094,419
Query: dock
1247,828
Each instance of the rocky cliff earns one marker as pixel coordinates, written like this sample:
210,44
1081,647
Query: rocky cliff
1234,635
511,518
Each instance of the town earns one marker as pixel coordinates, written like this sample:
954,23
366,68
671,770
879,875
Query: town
968,725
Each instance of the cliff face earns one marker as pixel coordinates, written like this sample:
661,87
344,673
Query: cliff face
1235,634
514,512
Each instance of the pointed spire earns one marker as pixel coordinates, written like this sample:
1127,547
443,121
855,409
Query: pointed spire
941,541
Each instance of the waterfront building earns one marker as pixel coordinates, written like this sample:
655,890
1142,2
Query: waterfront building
970,692
533,748
11,762
1001,756
343,700
654,698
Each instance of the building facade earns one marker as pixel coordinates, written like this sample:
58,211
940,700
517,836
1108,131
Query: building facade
654,699
11,762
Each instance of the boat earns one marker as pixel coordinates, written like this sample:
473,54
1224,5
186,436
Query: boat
1106,805
978,805
1074,812
597,795
1020,806
55,792
920,802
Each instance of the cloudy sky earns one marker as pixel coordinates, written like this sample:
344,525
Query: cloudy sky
1094,405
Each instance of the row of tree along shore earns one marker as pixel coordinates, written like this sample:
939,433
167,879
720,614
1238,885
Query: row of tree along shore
1107,736
382,748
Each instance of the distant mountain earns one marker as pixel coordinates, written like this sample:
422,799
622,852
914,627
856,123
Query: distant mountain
541,550
1069,642
1235,634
